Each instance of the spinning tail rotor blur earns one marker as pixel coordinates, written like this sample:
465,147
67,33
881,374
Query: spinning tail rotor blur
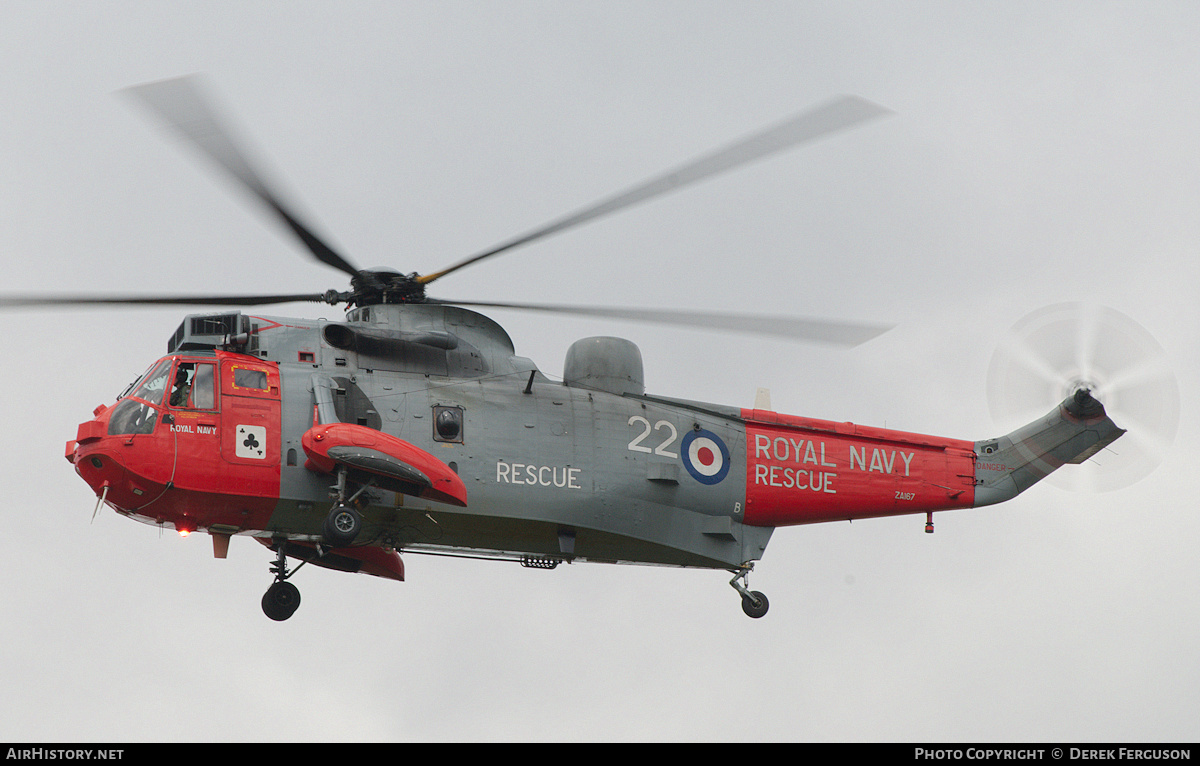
1056,350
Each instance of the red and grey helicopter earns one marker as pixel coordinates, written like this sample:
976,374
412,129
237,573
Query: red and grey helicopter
413,425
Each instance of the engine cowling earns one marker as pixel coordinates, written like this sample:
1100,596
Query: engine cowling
605,364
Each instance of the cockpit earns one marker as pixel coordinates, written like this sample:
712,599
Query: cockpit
195,426
172,382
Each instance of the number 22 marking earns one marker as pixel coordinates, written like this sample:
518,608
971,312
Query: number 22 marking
661,449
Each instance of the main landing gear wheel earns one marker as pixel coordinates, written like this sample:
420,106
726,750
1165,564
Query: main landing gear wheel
342,526
281,601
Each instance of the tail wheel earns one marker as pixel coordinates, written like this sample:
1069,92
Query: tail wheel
754,604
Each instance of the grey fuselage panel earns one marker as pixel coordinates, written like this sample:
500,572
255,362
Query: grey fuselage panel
551,471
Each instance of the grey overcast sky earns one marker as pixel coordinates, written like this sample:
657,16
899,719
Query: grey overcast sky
1039,153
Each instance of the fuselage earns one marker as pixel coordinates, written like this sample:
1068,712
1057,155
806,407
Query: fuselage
592,468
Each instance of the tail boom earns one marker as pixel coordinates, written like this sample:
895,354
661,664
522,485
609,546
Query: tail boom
807,471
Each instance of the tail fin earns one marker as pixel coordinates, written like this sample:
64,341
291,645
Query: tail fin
1076,429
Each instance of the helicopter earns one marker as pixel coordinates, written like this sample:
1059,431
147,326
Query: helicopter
412,426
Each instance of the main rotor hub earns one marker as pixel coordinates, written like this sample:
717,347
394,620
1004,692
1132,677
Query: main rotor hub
372,287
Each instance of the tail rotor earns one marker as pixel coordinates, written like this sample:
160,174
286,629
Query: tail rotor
1054,351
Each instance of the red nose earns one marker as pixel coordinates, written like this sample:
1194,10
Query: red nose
93,458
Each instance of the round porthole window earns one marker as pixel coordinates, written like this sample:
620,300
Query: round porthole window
448,424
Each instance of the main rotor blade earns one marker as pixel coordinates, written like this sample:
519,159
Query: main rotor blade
837,115
182,103
36,301
793,328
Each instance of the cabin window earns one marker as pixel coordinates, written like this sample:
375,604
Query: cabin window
241,379
448,424
244,377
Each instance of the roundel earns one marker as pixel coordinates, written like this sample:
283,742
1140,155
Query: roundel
705,456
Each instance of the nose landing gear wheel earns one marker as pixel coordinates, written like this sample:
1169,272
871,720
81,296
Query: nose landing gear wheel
281,601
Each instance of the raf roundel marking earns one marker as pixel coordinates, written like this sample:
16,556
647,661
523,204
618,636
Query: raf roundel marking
705,456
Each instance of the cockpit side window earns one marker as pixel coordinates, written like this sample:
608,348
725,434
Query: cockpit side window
204,387
194,386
